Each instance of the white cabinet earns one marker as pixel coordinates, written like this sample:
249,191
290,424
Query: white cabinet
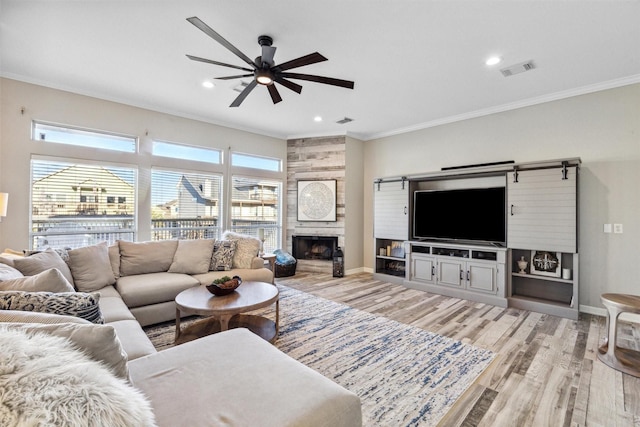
391,210
475,273
542,216
391,228
542,209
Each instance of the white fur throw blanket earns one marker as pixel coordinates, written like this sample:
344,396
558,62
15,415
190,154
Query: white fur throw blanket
45,381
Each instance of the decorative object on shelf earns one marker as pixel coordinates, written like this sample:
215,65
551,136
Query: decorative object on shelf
397,249
224,285
383,252
546,263
566,273
522,265
338,263
317,200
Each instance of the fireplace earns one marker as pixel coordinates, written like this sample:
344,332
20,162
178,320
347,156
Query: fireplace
313,247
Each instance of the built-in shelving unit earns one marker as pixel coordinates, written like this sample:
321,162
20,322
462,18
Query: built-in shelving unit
541,209
390,258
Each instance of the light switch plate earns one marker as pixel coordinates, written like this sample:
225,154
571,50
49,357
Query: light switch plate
608,228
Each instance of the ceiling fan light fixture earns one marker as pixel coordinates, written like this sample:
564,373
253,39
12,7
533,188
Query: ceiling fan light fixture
264,77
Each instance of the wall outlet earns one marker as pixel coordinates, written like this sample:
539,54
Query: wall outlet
608,228
617,228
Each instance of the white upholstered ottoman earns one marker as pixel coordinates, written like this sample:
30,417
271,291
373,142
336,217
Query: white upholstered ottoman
235,378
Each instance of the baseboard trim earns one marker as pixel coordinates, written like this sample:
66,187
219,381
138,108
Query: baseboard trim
598,311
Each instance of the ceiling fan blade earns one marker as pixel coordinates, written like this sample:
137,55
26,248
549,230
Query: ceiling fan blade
289,84
268,53
243,94
320,79
210,61
312,58
275,95
217,37
241,76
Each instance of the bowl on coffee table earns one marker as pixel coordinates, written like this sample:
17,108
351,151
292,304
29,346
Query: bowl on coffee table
224,286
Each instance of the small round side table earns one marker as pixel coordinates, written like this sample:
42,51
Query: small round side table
619,358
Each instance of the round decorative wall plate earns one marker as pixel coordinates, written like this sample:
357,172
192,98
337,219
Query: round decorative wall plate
317,200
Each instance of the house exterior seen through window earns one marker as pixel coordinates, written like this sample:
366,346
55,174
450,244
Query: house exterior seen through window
71,204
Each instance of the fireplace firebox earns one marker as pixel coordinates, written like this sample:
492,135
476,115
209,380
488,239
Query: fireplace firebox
314,247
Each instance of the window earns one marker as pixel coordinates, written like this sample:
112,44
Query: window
185,205
83,138
70,204
256,162
186,152
256,206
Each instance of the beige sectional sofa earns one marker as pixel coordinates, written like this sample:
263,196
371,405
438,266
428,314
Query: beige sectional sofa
232,378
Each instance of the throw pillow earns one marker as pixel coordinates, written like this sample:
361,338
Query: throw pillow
146,257
37,263
8,273
65,387
48,281
91,267
77,304
222,257
192,256
99,342
247,248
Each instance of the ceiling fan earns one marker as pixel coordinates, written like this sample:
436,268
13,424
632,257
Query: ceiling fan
264,70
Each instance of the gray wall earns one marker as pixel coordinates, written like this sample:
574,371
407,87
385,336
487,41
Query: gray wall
51,105
601,128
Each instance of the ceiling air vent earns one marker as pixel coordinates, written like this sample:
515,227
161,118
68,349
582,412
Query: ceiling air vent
344,121
517,69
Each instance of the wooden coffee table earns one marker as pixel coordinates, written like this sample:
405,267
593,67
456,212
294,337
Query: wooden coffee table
226,312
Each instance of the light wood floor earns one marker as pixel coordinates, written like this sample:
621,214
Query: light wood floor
546,372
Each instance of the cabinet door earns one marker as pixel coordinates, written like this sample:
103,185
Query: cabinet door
391,210
481,277
423,268
450,272
542,210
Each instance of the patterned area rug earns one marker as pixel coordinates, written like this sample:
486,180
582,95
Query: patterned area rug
405,376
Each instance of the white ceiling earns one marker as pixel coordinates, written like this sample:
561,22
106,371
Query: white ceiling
415,63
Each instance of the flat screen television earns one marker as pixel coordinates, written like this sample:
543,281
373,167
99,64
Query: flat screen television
472,215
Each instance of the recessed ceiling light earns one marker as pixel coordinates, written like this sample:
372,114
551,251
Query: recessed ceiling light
208,84
493,60
317,119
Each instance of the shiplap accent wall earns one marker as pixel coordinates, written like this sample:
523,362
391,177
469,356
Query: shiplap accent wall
316,159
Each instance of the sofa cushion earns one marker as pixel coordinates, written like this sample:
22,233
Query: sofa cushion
247,248
16,316
37,263
114,259
48,281
192,256
65,387
133,339
97,341
77,304
91,267
152,288
146,257
8,273
213,380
